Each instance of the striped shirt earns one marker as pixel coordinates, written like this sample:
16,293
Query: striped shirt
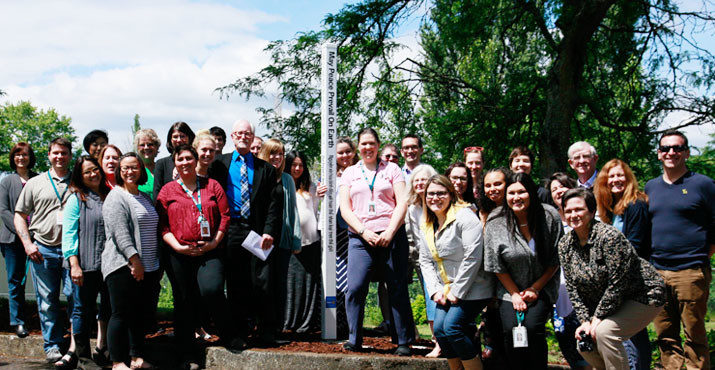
148,222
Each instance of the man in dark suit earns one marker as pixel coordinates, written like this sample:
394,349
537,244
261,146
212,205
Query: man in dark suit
256,201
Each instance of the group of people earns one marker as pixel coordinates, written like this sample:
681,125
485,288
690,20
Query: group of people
597,255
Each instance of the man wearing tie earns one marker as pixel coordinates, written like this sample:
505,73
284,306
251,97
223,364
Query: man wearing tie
256,201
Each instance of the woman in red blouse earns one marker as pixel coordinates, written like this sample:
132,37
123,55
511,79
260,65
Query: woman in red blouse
194,217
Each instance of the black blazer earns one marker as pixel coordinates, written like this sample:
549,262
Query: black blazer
266,194
163,173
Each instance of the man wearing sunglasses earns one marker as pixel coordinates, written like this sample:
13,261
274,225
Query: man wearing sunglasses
682,211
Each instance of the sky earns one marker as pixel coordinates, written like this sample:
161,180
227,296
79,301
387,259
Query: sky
102,62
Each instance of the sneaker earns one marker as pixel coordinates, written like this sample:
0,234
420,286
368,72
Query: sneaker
403,350
53,355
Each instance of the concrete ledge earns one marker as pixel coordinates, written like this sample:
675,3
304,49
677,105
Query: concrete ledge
163,354
219,357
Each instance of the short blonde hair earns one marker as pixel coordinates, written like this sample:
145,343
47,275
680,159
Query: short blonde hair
202,135
413,197
272,146
151,134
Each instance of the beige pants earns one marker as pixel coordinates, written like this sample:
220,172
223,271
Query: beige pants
631,318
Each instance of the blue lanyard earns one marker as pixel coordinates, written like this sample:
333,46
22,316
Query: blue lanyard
520,317
188,192
60,197
370,185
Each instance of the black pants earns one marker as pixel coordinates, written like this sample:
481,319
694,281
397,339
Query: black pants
198,283
536,355
131,303
249,283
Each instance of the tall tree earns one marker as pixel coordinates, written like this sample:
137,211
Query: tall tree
136,126
24,122
501,73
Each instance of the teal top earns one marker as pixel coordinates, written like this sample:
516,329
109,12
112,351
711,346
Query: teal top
70,227
148,187
291,234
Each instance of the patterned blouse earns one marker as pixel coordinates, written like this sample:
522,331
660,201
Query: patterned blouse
605,272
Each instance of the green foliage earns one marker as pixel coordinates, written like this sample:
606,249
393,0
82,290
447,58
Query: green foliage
498,74
166,297
704,162
136,126
24,122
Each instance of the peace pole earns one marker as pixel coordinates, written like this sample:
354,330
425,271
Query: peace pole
328,141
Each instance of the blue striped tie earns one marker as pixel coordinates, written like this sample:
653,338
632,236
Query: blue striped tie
245,192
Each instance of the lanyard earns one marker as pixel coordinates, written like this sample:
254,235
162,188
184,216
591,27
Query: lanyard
60,197
519,318
188,192
370,185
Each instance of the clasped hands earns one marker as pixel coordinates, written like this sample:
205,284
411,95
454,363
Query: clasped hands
520,299
378,240
442,298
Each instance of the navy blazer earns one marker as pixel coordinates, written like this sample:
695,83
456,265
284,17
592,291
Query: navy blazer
637,228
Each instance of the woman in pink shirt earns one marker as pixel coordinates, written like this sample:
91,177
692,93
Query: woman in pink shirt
373,203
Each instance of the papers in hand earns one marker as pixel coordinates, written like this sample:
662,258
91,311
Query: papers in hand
252,243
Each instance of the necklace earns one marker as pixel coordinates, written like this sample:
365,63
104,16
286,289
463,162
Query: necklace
522,225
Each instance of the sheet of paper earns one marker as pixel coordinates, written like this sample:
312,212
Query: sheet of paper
252,243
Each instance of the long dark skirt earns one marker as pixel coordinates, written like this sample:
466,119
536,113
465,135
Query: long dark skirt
304,290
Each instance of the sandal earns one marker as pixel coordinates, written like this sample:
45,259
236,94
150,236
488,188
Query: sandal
68,361
100,356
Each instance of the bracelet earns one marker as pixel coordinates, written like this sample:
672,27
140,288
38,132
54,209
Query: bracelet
362,231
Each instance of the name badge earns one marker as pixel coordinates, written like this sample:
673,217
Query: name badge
205,229
59,218
520,338
372,208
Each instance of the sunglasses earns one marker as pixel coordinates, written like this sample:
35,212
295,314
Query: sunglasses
470,149
676,148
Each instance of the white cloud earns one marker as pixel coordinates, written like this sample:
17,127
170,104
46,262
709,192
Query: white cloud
102,62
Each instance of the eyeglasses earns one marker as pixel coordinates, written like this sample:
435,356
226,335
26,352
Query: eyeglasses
436,194
470,149
129,168
242,133
458,178
389,156
676,148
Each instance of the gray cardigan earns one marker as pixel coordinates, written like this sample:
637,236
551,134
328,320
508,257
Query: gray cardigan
461,248
121,226
505,252
10,188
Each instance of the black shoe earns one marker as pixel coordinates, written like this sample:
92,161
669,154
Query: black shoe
237,345
68,361
352,347
100,356
20,331
403,350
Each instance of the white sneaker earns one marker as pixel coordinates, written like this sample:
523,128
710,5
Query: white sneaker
53,355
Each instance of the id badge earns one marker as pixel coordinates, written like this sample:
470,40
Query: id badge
205,229
59,218
371,208
520,339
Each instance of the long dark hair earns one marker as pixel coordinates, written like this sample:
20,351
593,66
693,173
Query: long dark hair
485,204
468,195
182,127
534,216
303,182
77,180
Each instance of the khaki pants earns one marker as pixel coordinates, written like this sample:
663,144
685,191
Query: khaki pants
631,318
686,303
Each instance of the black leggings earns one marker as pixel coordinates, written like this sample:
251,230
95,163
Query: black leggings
131,302
536,355
199,282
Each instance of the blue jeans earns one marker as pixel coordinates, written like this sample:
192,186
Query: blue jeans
84,310
364,261
451,328
430,305
47,276
15,264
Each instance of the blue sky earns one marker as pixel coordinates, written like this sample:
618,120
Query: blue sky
101,62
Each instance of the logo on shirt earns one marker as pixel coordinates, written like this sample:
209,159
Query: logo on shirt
685,191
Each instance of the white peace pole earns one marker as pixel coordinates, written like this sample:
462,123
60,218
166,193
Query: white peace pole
328,141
